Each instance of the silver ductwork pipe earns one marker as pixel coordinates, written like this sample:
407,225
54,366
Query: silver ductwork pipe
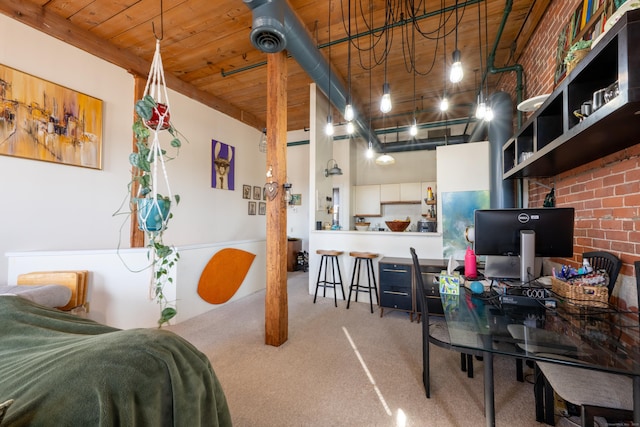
276,27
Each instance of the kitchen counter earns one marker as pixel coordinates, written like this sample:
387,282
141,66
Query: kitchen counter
384,243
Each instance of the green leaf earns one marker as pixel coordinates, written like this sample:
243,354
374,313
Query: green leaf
144,110
167,314
175,143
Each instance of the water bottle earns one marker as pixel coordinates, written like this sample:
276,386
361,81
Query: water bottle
470,263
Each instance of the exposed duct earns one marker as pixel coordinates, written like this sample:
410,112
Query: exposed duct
276,27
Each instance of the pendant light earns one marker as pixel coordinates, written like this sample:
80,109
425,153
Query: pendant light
369,152
456,68
488,113
348,109
328,129
444,102
385,102
481,107
413,130
385,159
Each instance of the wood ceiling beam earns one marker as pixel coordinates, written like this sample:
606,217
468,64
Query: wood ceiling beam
56,26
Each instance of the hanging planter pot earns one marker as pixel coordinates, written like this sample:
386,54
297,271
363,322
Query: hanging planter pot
160,117
153,214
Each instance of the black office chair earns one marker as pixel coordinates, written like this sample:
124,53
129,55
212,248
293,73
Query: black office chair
605,261
597,393
434,329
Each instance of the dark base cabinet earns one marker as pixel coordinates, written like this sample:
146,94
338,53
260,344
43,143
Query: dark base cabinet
398,285
395,286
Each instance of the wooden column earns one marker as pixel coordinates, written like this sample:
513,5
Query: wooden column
136,236
276,309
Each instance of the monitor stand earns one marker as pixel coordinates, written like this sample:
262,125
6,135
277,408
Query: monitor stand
527,256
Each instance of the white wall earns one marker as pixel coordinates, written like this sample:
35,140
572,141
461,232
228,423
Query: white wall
47,206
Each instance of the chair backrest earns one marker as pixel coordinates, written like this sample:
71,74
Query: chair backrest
605,261
420,286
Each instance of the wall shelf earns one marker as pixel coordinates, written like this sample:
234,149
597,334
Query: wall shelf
553,140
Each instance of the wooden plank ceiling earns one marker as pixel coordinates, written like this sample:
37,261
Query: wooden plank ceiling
207,53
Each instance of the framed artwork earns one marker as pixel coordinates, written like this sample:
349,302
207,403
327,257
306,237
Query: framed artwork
257,193
246,191
458,213
224,166
296,199
264,193
262,208
252,208
41,120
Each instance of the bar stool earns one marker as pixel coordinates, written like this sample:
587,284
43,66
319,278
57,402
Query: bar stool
368,257
335,265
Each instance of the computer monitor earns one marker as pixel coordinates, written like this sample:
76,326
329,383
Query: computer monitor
524,233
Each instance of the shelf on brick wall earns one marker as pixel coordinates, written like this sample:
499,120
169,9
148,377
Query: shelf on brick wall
553,140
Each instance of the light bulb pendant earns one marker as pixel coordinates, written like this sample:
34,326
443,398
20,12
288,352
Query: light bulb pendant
444,104
385,102
456,68
328,129
413,130
350,128
488,114
348,112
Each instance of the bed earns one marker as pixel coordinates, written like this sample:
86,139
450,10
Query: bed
62,369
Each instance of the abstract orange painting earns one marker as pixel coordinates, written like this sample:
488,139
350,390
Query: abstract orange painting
41,120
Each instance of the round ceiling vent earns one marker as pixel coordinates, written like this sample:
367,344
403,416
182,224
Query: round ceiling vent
267,35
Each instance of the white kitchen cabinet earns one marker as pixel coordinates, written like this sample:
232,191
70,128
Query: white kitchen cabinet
389,193
410,192
367,200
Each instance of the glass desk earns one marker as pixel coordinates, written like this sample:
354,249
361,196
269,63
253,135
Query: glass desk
592,338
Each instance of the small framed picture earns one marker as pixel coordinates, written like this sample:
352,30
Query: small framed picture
246,191
296,199
264,193
252,208
257,193
262,208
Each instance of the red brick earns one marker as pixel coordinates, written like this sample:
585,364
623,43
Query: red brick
612,202
632,200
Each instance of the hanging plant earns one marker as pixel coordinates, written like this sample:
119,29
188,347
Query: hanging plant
149,190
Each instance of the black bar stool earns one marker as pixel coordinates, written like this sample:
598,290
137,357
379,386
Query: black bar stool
368,257
335,265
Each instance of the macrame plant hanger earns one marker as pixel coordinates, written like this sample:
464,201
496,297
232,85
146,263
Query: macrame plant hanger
156,88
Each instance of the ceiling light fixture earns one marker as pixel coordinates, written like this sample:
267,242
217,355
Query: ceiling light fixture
385,159
456,68
348,109
481,107
328,129
413,130
385,102
369,152
333,170
444,102
350,128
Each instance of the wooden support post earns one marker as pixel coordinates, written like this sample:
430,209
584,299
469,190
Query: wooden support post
136,236
276,309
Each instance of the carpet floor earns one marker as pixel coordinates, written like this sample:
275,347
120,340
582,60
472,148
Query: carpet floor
344,367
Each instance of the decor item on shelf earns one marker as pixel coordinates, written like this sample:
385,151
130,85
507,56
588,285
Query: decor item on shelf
532,104
576,53
398,224
362,226
333,170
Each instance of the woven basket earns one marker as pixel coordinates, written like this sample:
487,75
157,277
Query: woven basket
580,295
578,56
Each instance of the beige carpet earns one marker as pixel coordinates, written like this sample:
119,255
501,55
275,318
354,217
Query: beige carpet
344,367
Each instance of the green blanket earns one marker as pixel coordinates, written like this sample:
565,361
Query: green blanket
63,370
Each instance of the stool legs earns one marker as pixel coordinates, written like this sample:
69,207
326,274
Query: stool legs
355,282
324,261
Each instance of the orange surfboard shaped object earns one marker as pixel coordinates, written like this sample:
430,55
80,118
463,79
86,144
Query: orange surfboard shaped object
223,275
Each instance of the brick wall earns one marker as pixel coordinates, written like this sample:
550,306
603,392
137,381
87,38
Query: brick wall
605,193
